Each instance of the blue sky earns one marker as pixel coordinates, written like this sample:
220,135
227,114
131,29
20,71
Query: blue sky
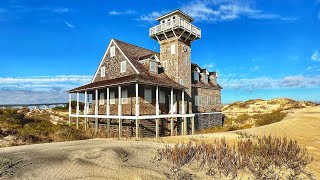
261,49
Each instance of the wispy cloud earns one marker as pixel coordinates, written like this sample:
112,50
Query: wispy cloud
60,10
295,81
255,68
39,89
69,25
226,10
151,16
221,10
116,13
315,55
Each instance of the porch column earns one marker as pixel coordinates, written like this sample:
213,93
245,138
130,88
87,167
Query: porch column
119,111
70,109
157,101
108,110
171,120
96,111
137,110
192,125
157,112
184,112
85,110
157,128
77,110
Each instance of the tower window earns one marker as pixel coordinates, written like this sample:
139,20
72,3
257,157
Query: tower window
173,49
112,51
182,81
103,71
123,66
164,64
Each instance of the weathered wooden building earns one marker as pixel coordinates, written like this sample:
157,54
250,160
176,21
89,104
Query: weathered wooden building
139,92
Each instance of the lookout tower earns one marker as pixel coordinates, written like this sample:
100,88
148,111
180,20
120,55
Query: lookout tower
175,34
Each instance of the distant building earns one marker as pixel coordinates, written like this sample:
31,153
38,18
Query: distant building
139,92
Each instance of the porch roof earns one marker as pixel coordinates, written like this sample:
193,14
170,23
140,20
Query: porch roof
159,80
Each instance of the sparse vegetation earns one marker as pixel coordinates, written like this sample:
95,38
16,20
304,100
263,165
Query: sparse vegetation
36,128
268,118
264,157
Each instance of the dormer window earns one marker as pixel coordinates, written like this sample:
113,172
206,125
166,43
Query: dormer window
205,78
196,76
153,66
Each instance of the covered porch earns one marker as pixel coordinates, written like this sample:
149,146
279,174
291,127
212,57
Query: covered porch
135,102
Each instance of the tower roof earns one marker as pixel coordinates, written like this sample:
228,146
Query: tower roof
178,11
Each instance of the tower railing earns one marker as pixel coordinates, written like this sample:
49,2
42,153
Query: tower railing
175,23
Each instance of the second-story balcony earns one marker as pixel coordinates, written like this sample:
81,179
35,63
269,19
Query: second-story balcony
178,27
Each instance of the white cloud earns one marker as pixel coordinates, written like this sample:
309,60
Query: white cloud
69,25
151,16
227,10
296,81
41,89
221,10
315,55
116,13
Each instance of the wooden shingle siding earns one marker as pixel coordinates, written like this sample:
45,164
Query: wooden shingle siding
112,65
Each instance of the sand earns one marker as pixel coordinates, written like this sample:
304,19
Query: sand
130,159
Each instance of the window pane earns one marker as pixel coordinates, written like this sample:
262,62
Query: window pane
162,97
124,96
112,51
153,66
123,66
196,76
112,97
148,95
101,100
103,71
173,49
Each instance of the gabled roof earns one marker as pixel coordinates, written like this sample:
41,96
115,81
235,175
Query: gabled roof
135,53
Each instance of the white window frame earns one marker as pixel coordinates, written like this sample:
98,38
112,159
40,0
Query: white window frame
112,51
208,100
112,97
101,98
123,66
147,94
103,71
173,48
164,64
124,96
205,78
162,96
197,100
153,66
194,76
182,81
